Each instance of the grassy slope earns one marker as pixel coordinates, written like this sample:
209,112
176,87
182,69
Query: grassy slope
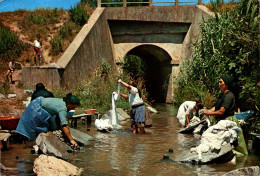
26,25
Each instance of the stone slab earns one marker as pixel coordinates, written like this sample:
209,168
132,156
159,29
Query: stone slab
80,137
50,144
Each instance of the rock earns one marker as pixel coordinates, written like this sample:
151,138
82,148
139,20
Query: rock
7,168
252,171
2,96
52,145
191,127
36,149
4,136
28,91
122,115
49,165
80,137
223,155
11,96
54,65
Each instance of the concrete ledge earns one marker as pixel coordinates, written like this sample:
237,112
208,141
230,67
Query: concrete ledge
79,39
49,76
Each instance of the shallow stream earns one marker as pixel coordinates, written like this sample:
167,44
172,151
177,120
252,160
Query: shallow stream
122,153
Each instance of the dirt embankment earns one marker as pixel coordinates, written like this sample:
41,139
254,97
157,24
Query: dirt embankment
16,23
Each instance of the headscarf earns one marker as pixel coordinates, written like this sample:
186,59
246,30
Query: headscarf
230,82
40,86
72,99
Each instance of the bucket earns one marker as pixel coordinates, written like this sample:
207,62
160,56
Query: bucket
9,122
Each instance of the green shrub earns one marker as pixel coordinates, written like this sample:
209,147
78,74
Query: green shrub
36,19
56,45
92,3
79,15
10,46
134,66
66,31
229,45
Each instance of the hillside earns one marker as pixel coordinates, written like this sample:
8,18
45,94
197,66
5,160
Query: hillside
57,30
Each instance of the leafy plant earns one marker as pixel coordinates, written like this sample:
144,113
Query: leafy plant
7,42
134,66
56,44
79,15
229,44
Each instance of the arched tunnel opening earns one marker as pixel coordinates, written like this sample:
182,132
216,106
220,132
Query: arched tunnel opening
157,71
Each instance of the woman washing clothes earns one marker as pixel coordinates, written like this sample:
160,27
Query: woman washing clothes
224,108
185,111
137,113
47,114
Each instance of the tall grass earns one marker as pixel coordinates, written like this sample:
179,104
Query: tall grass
229,45
96,92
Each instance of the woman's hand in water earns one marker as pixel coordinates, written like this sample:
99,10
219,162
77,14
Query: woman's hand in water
74,144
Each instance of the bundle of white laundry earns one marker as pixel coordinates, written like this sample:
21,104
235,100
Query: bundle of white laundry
225,131
109,121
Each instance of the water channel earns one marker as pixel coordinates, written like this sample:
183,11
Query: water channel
122,153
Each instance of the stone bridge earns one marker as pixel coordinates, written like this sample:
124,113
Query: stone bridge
161,36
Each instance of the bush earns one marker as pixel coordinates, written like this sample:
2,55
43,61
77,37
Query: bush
134,66
10,46
56,45
229,45
79,15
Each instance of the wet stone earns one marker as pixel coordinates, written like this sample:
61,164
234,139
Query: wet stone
80,137
52,145
222,155
252,171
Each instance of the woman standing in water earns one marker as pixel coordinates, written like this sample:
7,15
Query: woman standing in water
138,109
225,107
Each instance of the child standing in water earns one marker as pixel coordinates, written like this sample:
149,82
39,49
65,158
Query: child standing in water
138,109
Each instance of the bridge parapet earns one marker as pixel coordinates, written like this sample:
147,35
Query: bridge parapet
125,3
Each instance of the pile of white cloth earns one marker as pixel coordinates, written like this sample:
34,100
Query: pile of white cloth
225,131
109,121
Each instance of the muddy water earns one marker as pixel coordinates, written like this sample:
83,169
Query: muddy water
121,153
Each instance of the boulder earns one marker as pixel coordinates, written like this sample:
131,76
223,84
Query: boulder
191,127
80,137
50,144
122,115
223,155
252,171
49,165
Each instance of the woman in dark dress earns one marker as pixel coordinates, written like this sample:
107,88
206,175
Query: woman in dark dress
224,108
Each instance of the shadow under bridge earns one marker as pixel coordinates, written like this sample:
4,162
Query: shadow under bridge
157,71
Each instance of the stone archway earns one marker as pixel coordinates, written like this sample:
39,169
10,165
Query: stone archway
158,72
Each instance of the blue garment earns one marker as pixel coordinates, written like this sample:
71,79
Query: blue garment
137,115
36,118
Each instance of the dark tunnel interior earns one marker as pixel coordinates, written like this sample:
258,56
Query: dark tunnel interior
158,70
